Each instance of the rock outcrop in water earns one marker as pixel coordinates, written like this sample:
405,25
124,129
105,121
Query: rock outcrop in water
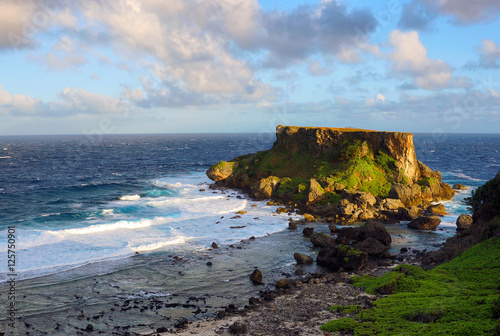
342,173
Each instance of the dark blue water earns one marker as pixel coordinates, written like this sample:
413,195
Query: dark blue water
73,200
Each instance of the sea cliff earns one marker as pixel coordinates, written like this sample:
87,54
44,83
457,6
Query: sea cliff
344,174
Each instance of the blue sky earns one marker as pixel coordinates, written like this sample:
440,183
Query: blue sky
189,66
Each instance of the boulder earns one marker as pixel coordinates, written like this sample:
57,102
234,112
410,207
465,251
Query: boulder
459,187
341,256
256,277
425,223
309,218
371,246
464,222
320,239
366,214
316,192
348,236
409,195
265,187
437,209
221,170
302,259
308,232
282,283
346,208
364,199
392,204
376,230
411,213
292,225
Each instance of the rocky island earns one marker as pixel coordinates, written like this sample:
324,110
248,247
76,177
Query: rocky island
342,174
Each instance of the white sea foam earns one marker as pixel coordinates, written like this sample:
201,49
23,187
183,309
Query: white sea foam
159,245
466,177
130,198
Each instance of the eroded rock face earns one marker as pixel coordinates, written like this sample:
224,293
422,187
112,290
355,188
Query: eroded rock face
322,139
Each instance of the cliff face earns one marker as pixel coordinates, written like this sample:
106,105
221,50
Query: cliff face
322,140
322,166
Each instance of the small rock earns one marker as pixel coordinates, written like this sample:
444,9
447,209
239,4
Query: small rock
214,245
332,227
292,225
256,277
242,212
161,329
238,328
282,283
209,263
254,205
202,189
459,187
270,203
302,259
464,222
309,218
308,232
89,327
181,323
404,250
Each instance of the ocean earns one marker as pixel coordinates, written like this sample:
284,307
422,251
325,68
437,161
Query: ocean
120,206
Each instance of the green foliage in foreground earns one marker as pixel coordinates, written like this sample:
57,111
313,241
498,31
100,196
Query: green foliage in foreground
461,297
485,200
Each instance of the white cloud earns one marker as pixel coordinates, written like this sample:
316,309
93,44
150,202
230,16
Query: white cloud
70,101
409,57
489,54
18,104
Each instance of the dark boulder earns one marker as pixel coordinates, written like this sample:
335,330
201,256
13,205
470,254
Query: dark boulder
371,246
302,259
308,232
256,277
343,256
321,239
377,230
425,223
238,328
348,236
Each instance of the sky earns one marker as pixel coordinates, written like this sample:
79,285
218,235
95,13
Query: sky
207,66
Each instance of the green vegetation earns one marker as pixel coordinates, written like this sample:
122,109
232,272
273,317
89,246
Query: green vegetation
352,163
485,200
461,297
345,309
342,324
331,198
